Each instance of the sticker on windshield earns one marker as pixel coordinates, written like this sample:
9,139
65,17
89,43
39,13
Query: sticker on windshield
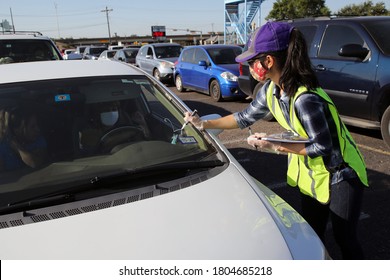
62,97
187,140
126,81
142,82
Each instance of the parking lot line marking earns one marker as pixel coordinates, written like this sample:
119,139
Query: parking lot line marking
374,150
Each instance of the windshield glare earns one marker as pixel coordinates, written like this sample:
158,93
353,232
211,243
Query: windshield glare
82,128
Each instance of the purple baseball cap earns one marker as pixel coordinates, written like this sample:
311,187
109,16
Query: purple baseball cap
270,37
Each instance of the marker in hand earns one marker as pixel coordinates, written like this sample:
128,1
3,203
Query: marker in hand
250,133
192,114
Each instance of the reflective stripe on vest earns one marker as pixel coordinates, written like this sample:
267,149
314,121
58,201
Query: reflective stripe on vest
310,174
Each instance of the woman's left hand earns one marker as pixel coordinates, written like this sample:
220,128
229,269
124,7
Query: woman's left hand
256,141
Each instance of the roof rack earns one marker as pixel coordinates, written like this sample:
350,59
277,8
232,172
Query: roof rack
35,33
309,18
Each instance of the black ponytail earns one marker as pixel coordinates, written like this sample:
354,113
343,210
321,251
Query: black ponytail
296,66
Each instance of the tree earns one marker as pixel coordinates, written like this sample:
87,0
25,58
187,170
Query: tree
287,9
365,9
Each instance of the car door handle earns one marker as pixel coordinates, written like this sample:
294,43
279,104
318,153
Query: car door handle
320,67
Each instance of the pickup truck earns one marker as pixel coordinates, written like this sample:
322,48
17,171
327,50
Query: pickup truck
351,58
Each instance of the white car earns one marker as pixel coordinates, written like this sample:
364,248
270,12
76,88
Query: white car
107,55
25,46
151,187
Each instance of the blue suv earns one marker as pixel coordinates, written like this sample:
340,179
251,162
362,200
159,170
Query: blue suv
210,69
351,58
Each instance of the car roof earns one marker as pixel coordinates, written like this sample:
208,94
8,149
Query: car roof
162,44
62,69
215,46
23,37
350,19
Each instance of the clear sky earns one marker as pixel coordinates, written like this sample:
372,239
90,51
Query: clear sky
82,18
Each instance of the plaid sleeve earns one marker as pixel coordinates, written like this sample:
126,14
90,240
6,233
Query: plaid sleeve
256,110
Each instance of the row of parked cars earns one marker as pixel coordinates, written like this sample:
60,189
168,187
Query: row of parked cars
120,53
210,69
115,173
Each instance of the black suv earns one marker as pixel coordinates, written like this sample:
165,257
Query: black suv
351,57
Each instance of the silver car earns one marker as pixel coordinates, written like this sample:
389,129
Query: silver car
124,177
158,60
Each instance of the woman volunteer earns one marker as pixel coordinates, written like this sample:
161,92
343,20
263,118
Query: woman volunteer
329,170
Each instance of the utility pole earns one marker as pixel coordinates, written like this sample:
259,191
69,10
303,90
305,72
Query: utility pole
58,24
12,20
108,23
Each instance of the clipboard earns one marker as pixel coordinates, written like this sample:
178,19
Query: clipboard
286,137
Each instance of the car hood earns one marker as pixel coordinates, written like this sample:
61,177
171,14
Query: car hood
219,218
233,68
169,59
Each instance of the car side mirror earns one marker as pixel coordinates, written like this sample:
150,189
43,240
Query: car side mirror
353,50
203,63
214,131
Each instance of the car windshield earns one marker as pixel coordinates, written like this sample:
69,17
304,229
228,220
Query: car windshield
224,55
97,51
80,129
111,54
24,50
379,31
131,53
168,51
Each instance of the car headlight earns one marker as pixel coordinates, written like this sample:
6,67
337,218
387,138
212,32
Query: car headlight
165,64
229,77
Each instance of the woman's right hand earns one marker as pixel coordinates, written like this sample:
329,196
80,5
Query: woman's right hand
195,120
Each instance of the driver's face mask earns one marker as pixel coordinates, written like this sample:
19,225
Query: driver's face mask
109,118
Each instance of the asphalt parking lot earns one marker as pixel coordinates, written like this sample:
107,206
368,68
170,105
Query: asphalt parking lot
270,169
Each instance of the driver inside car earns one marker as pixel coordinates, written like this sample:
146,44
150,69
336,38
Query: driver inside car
107,127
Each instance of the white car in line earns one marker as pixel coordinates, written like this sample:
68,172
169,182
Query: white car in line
150,188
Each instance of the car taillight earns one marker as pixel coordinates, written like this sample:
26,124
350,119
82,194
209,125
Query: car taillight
240,68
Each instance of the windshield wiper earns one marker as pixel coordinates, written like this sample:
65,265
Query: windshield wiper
40,202
110,181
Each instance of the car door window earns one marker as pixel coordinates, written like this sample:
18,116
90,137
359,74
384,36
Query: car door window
335,37
201,55
308,32
150,52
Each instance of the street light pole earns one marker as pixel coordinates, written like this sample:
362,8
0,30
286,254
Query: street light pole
108,23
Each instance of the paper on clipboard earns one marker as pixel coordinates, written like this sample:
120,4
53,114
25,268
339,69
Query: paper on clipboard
286,137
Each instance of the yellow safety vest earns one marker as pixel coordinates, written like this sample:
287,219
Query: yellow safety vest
310,174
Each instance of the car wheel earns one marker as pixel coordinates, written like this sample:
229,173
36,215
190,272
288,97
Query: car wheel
256,90
156,74
179,83
385,126
215,91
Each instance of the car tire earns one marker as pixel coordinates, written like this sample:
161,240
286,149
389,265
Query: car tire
215,91
269,117
179,84
385,126
156,74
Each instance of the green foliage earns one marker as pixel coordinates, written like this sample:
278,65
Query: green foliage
365,9
292,9
287,9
